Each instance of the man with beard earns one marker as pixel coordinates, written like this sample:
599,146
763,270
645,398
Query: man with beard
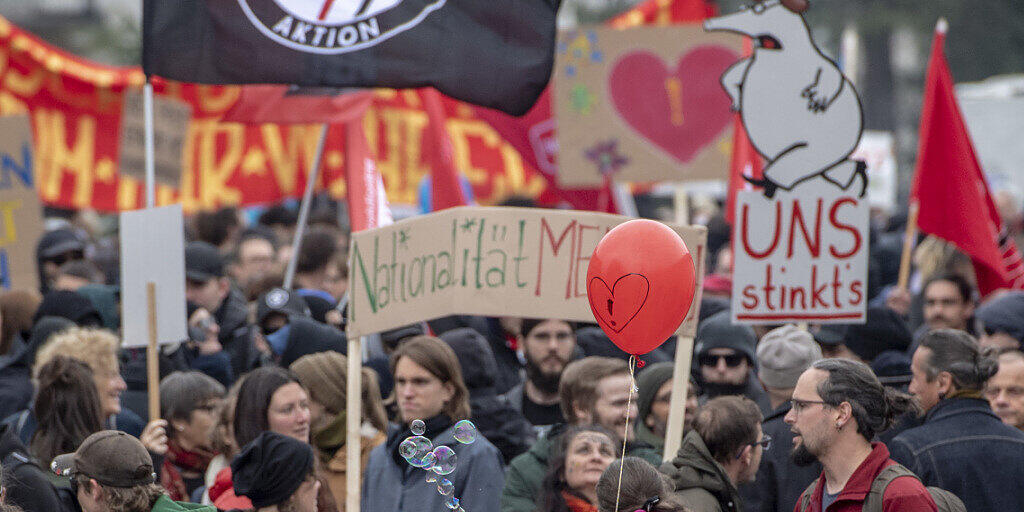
948,304
838,406
547,346
725,354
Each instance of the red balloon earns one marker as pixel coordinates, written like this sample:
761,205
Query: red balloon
640,283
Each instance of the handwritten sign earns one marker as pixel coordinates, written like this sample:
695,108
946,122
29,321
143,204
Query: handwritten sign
170,126
21,214
642,104
524,262
800,257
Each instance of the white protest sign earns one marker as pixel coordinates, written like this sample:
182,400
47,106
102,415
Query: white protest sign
153,251
878,151
520,262
800,257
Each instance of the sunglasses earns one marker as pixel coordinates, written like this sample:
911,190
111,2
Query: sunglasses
731,360
61,259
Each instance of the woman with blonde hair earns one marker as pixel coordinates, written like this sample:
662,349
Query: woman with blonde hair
429,388
324,374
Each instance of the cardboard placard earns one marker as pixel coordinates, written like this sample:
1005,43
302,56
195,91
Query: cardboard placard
800,257
21,214
153,251
520,262
170,127
642,104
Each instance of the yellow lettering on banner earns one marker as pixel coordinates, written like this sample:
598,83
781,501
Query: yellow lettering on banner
105,170
3,61
10,104
55,156
215,98
25,86
512,180
286,155
213,171
10,233
403,132
164,195
127,194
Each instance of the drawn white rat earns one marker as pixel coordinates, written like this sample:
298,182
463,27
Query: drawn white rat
801,114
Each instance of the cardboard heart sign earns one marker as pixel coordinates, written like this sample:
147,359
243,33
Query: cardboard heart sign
680,110
653,283
619,304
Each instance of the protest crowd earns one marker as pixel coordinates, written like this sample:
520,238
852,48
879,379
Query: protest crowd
252,405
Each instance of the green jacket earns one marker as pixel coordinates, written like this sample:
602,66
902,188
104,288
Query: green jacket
701,482
166,504
526,473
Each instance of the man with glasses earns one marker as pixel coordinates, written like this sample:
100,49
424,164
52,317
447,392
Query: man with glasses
725,354
837,407
723,450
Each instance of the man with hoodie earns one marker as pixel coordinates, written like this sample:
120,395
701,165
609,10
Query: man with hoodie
207,286
783,355
722,451
654,393
592,390
725,356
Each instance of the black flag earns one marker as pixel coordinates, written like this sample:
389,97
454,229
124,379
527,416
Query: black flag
495,53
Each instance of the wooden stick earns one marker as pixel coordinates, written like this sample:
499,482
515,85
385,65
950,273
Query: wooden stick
682,205
677,405
353,410
152,360
909,237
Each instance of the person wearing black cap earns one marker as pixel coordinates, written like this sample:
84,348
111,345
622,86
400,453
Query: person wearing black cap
725,357
276,473
112,472
54,249
882,330
1002,321
207,286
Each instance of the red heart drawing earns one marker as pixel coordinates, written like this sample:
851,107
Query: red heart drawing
681,111
616,311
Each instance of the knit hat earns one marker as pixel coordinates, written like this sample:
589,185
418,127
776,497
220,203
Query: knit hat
475,358
648,383
324,375
1004,314
718,331
70,305
783,354
271,468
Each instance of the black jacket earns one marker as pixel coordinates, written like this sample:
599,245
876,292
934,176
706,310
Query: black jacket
27,485
16,387
308,336
236,333
779,481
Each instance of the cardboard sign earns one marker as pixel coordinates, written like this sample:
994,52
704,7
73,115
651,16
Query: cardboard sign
153,251
800,257
642,104
170,127
519,262
21,214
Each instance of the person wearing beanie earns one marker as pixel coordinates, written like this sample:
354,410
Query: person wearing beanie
276,473
1002,321
726,363
882,330
324,374
654,393
783,355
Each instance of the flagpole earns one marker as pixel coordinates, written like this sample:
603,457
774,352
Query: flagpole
909,237
147,116
307,198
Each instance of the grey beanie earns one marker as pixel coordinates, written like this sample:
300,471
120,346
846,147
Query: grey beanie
785,353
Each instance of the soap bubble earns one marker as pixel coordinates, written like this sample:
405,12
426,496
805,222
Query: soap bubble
452,502
418,427
465,432
444,460
415,448
425,462
445,487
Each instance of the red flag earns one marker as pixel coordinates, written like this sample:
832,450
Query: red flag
950,189
283,104
445,188
367,202
745,160
533,134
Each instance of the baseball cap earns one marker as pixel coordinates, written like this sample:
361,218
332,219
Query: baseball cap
202,262
59,241
111,457
279,300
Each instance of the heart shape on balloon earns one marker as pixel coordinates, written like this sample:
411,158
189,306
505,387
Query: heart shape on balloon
618,305
681,110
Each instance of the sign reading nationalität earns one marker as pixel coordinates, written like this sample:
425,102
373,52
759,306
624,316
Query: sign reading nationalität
520,262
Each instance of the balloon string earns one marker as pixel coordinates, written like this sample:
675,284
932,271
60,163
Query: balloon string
625,433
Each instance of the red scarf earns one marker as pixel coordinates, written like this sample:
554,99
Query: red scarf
177,459
577,504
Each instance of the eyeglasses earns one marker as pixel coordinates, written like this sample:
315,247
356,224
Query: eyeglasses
61,259
799,405
765,442
731,360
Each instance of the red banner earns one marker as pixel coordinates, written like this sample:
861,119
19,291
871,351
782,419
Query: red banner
75,107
